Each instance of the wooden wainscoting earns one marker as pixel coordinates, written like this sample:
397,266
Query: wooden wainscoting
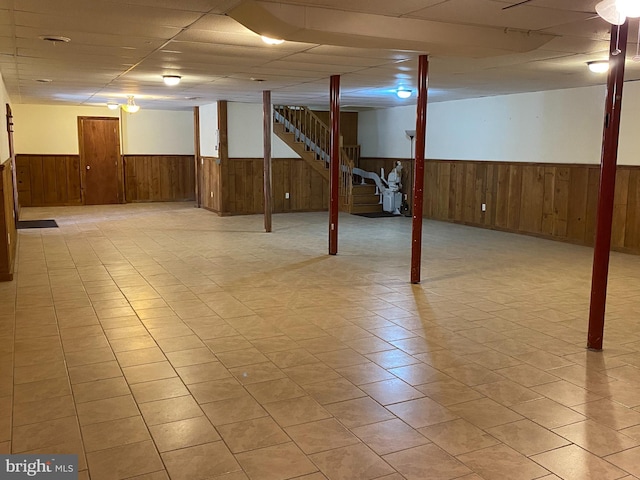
159,178
48,180
211,193
8,236
235,186
348,125
556,201
308,191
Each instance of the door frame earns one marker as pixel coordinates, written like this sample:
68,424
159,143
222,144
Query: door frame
12,156
83,160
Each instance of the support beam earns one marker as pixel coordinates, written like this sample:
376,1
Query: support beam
418,176
334,165
604,218
222,188
196,149
268,201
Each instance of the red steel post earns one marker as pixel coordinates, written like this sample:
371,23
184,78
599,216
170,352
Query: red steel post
418,176
334,165
268,201
604,218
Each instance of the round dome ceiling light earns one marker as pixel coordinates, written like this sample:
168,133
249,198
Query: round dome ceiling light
271,41
598,66
171,80
403,93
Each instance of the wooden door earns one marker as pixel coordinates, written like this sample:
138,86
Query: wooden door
100,160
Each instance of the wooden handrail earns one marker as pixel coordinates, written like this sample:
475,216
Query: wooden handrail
311,130
353,152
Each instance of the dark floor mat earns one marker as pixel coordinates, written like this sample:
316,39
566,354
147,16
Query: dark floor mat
378,215
36,224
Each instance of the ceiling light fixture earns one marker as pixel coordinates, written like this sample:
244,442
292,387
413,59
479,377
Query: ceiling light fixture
131,106
171,80
271,41
616,12
598,66
629,8
112,105
403,93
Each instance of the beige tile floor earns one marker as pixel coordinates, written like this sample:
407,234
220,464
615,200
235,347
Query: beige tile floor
161,341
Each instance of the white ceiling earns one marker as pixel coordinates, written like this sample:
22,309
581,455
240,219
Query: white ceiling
123,47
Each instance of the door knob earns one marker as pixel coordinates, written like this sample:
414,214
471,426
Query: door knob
88,167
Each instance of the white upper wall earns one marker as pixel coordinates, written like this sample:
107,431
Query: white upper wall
209,135
52,129
4,144
558,126
245,125
382,132
158,132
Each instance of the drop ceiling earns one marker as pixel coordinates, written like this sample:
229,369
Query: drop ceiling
123,47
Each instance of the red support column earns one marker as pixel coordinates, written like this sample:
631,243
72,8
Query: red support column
418,176
198,170
268,203
334,165
609,158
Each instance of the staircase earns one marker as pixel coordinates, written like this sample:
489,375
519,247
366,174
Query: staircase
310,138
365,199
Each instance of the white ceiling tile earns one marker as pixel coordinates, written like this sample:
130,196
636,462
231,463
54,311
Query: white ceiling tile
220,24
379,7
491,12
6,19
202,6
573,5
217,56
62,25
104,12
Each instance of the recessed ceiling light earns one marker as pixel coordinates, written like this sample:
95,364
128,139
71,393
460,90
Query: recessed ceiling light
44,80
55,39
254,79
598,66
403,93
271,41
171,80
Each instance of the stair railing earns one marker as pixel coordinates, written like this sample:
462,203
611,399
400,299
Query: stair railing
316,136
353,152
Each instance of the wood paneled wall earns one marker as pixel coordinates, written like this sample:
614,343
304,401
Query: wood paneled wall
48,180
211,184
348,125
237,188
52,180
556,201
8,236
159,178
